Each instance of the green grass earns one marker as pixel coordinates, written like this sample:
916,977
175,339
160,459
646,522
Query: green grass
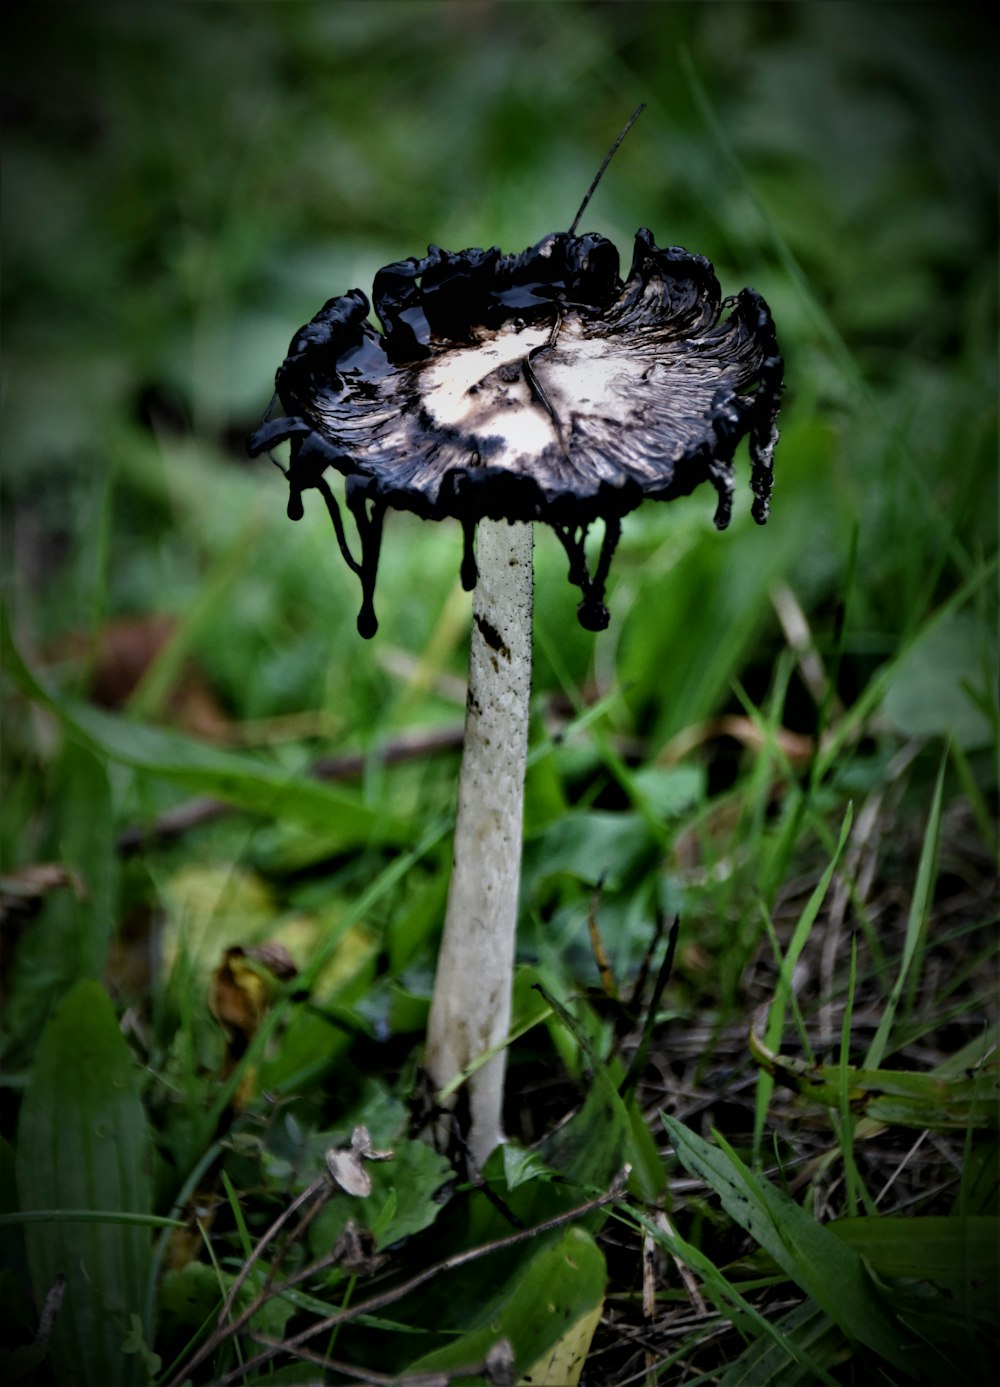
788,737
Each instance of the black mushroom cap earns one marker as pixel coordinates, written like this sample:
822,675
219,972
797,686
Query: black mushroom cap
529,387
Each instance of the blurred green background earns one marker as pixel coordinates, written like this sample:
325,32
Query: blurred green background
184,184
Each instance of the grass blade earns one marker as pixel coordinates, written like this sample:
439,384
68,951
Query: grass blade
916,924
773,1363
798,942
243,781
814,1258
744,1315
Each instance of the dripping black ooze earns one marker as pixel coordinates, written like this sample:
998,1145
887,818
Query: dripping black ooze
529,387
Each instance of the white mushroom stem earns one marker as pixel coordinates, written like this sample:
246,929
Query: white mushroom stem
470,1012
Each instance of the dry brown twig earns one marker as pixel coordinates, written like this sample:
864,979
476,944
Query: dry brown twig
497,1367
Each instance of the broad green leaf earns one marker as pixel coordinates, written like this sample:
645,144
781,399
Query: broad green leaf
188,1296
931,690
672,790
69,938
594,847
520,1166
814,1258
275,1311
83,1144
535,1309
930,1248
241,780
404,1198
87,846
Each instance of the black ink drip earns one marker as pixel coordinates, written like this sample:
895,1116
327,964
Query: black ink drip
470,570
369,527
593,614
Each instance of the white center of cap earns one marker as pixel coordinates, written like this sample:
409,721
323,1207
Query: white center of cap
484,391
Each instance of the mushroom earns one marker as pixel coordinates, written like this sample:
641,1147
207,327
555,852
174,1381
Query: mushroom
505,390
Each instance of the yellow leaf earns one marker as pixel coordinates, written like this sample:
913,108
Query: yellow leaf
563,1364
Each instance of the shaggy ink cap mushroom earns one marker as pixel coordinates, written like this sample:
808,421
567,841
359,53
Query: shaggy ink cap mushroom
502,390
529,387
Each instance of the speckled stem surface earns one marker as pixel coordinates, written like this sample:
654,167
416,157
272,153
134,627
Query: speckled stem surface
470,1012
